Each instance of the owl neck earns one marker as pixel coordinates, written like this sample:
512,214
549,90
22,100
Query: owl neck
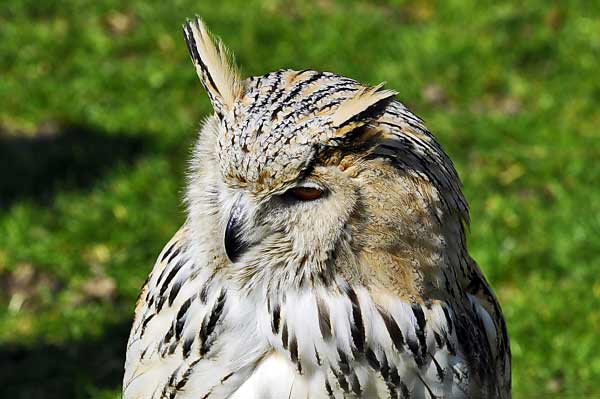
433,267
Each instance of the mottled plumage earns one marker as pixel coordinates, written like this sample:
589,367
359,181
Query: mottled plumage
323,255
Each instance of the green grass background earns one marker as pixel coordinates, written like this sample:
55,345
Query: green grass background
99,105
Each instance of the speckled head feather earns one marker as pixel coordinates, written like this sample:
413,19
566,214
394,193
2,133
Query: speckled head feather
273,127
298,111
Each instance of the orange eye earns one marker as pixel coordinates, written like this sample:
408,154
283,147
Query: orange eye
305,193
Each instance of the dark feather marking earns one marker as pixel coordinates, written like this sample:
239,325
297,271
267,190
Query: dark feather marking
325,91
393,330
186,375
450,347
204,293
328,388
438,368
294,352
355,385
173,255
209,324
343,363
341,380
168,251
284,336
331,104
414,348
448,287
164,271
345,369
394,376
194,53
357,328
162,349
372,359
314,106
438,339
431,395
267,96
160,303
190,42
145,323
169,334
170,277
174,291
187,346
317,357
169,385
275,319
324,320
293,93
385,373
142,289
420,329
464,337
448,319
226,377
180,317
172,348
457,374
370,112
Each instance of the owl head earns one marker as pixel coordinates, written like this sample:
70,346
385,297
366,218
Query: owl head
303,176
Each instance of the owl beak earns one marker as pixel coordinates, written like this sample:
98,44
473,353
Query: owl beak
235,246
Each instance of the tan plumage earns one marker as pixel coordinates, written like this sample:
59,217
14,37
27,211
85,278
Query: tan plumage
324,253
218,74
361,101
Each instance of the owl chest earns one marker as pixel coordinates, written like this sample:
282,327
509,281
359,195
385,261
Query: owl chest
328,346
308,344
278,377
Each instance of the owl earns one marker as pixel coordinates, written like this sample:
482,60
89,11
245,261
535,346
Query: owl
323,255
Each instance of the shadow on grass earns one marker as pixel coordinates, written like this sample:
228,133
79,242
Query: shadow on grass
70,156
65,371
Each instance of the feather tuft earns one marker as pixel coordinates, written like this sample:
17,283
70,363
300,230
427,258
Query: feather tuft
364,99
214,65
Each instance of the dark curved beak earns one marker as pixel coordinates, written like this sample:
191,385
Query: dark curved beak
235,245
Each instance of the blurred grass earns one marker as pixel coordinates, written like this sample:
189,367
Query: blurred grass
99,106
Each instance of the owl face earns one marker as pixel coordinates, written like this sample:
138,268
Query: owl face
318,174
301,224
270,148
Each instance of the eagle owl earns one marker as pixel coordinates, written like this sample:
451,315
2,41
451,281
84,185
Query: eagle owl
323,255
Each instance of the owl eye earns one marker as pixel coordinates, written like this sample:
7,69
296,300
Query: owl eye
305,193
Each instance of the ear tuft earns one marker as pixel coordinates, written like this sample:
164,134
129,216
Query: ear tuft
363,100
214,66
